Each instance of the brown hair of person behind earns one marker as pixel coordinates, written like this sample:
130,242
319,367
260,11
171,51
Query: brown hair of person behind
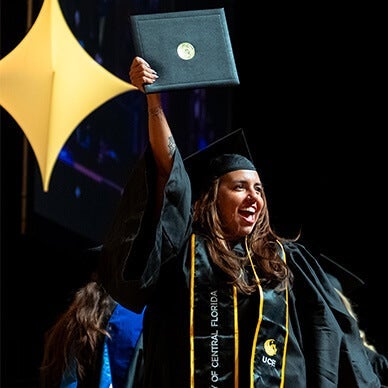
77,335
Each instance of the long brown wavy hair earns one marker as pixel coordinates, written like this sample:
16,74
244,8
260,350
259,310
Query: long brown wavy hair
262,243
74,340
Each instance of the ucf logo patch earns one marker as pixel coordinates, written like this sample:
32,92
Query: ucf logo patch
270,349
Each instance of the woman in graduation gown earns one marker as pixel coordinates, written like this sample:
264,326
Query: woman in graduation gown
229,303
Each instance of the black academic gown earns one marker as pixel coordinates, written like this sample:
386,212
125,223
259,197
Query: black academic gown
151,263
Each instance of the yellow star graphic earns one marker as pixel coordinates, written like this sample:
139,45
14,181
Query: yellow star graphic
49,84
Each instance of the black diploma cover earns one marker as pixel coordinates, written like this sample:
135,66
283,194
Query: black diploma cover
188,49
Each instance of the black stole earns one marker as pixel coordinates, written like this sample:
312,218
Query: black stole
214,331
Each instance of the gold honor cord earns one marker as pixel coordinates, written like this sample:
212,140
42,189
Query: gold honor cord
236,338
260,312
192,311
261,305
286,338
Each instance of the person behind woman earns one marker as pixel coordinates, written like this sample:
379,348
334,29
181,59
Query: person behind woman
92,343
229,302
378,360
346,286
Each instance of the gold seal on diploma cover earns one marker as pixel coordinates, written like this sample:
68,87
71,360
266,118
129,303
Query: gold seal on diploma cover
185,51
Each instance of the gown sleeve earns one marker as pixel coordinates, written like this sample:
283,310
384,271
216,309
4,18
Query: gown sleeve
331,342
138,245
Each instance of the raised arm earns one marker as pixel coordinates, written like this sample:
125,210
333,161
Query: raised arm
160,136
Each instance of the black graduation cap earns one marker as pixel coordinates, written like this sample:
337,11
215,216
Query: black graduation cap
342,279
201,165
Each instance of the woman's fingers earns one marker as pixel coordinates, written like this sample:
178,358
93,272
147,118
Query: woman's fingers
141,73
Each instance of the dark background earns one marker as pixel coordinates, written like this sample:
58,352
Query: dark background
310,101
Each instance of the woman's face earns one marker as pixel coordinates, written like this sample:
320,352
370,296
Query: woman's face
239,202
